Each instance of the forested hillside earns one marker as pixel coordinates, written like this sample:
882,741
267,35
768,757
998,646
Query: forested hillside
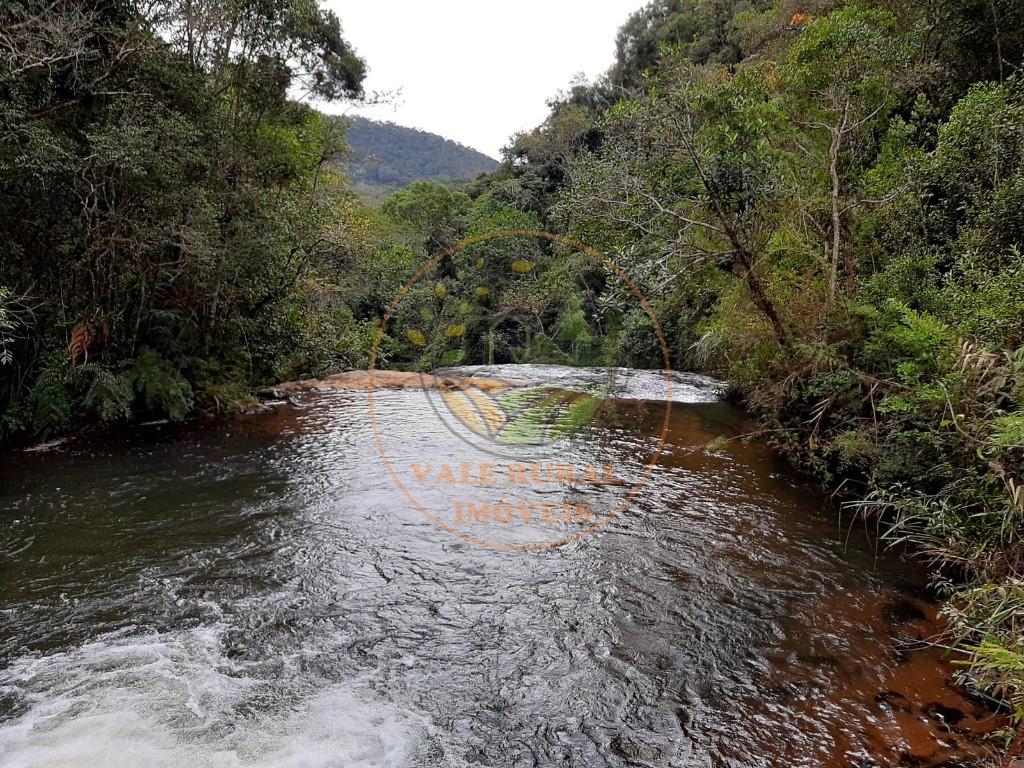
388,156
823,201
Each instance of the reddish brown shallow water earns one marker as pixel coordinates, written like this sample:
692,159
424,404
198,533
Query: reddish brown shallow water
255,591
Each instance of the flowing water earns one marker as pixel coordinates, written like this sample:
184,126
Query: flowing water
257,591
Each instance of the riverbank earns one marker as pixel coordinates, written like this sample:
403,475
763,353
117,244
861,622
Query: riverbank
256,399
934,465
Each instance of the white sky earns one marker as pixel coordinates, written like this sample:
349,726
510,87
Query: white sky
477,71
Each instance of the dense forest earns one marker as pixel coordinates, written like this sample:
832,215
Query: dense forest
386,157
823,201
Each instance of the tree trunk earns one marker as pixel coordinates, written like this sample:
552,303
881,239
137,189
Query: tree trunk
757,292
761,300
760,297
848,267
834,153
833,170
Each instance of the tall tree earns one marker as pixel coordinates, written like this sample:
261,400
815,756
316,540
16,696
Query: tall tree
690,168
842,73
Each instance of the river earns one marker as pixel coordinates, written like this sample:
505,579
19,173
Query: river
256,590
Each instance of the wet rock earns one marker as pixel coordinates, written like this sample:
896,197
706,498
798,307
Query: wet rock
943,714
48,445
358,380
902,612
631,750
264,406
894,700
786,692
12,706
820,660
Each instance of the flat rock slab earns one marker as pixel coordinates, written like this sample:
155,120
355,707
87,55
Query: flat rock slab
387,380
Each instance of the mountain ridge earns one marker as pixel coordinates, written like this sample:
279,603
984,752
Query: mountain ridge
387,156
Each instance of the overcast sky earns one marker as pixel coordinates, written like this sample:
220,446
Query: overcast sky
477,71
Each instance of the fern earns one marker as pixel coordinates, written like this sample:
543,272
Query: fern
50,403
110,396
161,386
7,325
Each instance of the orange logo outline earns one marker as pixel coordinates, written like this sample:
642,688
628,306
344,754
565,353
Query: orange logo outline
668,378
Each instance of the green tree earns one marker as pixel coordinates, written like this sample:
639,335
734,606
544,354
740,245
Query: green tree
690,168
435,213
573,328
842,75
155,203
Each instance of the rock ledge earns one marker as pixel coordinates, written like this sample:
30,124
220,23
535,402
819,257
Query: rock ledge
357,380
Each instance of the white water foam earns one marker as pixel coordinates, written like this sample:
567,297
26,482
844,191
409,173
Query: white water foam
626,383
174,701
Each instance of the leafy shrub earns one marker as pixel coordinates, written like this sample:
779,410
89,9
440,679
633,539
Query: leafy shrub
987,299
161,386
910,346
